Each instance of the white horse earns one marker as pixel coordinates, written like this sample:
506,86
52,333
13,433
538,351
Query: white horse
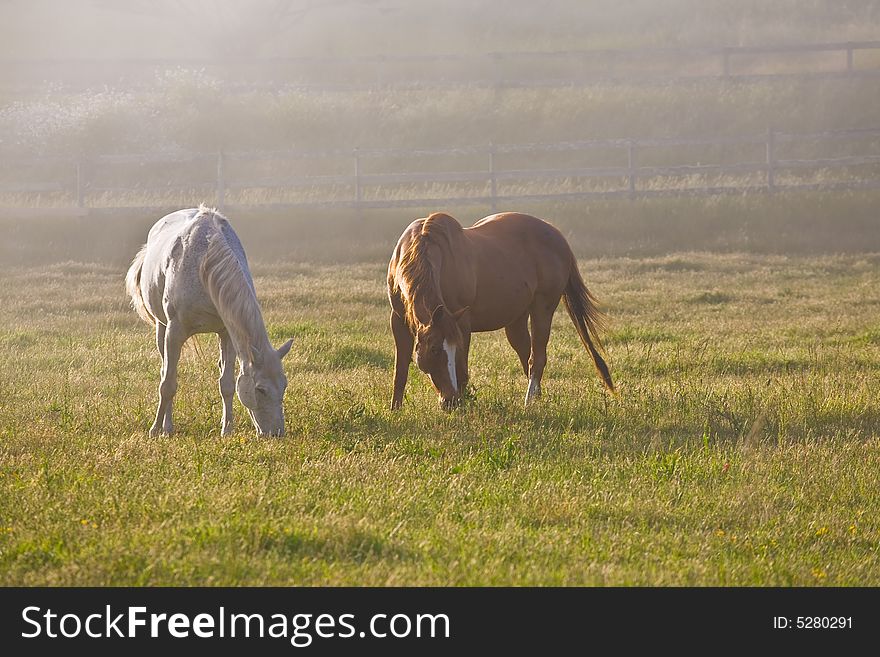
192,277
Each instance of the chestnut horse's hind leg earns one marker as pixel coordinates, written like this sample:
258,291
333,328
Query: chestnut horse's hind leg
227,380
168,385
403,343
541,314
519,338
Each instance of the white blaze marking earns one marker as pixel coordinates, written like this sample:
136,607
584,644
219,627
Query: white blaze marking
533,391
450,363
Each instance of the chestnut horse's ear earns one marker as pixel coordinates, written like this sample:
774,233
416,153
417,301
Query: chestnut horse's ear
459,314
437,314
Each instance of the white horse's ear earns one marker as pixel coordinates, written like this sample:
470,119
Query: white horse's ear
283,349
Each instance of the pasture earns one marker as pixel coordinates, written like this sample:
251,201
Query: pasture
743,448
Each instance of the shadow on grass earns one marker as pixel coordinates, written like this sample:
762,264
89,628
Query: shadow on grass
351,357
354,545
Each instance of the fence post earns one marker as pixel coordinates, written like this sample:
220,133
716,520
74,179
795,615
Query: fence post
80,183
631,166
725,62
358,192
221,181
380,65
771,160
495,59
492,179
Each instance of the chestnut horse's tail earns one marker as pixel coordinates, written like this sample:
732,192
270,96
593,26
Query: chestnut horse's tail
588,319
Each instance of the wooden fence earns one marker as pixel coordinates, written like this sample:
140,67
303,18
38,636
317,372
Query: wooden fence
853,163
492,70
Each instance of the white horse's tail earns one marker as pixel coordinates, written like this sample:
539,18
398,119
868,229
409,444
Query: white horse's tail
133,287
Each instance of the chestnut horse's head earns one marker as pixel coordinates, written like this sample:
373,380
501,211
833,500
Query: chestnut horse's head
438,345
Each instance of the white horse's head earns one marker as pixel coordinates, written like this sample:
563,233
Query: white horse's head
261,385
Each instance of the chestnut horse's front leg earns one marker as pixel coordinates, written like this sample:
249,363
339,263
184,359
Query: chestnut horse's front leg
461,363
403,343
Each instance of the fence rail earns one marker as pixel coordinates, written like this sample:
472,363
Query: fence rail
354,186
535,69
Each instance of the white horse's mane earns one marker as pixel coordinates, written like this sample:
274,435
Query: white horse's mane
230,288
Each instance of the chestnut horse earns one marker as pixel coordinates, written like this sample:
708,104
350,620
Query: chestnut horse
446,282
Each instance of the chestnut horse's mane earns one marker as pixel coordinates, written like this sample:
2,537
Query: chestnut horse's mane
415,275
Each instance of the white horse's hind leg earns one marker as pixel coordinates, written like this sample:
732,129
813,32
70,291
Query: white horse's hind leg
160,341
168,384
160,346
227,380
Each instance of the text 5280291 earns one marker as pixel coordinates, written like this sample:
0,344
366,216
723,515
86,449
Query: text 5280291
813,623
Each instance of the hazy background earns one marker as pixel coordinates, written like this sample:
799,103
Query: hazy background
206,29
84,79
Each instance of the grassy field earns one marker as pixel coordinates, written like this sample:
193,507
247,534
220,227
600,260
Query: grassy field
743,449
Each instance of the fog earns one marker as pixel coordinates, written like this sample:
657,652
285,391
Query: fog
284,111
206,29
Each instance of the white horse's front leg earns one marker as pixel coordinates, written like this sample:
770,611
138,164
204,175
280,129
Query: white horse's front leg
168,385
227,381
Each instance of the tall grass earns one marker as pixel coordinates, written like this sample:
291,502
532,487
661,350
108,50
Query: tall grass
195,114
